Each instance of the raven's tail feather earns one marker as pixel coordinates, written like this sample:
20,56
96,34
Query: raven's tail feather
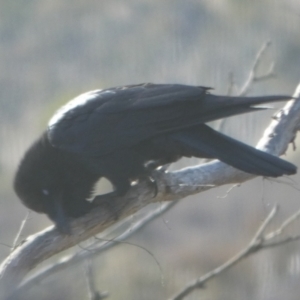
216,107
202,140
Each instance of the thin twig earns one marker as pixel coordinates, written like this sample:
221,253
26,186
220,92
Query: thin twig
258,242
229,191
283,226
285,241
253,76
15,243
231,86
266,222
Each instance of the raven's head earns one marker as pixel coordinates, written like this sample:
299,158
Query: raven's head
48,181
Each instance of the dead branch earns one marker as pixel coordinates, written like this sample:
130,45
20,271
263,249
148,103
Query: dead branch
94,250
253,74
259,242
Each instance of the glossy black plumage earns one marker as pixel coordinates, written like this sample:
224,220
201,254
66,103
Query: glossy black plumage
122,133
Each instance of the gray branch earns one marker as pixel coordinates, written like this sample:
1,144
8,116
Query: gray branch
93,251
253,74
171,186
259,242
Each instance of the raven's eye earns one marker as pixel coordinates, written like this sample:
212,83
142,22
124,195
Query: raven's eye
45,192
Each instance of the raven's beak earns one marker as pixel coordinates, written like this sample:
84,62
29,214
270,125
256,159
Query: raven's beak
58,216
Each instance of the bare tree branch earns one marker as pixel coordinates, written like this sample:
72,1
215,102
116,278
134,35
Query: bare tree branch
258,242
253,74
94,250
171,186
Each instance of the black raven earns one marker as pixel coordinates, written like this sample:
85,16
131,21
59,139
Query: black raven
122,134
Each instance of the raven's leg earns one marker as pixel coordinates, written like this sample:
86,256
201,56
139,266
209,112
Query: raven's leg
123,167
108,199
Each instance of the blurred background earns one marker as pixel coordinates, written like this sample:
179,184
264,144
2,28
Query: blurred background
51,51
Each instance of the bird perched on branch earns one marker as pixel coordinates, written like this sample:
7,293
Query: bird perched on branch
122,134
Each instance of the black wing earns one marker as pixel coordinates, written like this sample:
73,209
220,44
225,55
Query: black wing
212,144
100,122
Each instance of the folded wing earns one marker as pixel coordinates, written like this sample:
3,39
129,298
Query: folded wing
100,122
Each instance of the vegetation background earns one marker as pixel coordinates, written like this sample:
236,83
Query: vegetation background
50,51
